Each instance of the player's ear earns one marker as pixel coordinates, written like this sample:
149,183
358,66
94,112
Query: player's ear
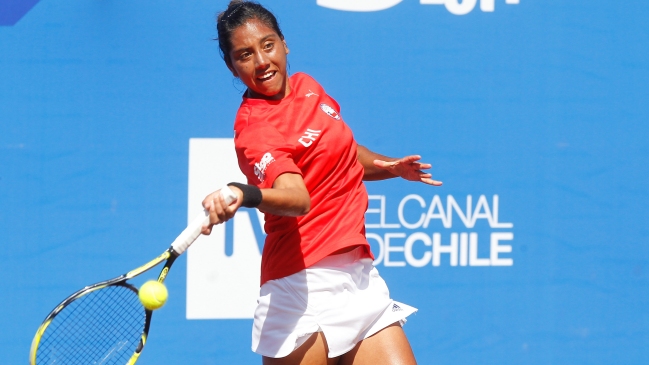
285,46
234,72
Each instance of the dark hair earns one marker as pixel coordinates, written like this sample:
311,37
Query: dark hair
236,15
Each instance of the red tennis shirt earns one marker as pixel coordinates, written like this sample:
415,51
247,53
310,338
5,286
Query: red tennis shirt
303,134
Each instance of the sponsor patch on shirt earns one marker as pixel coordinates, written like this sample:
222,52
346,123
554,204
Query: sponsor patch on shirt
330,111
261,166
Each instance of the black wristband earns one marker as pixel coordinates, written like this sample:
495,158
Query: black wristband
251,194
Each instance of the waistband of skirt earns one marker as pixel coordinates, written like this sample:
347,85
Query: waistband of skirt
344,258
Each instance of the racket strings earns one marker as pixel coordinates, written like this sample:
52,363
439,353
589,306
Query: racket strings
103,327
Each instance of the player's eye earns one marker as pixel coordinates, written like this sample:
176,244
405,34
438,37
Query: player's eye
269,46
244,55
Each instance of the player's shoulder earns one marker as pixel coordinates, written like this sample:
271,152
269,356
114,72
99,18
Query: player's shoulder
303,77
302,80
307,85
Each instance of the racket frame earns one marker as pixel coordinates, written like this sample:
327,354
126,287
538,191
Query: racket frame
169,255
178,247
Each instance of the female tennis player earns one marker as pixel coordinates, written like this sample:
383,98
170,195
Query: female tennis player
321,300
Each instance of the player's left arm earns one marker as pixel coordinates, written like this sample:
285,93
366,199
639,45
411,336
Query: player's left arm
379,167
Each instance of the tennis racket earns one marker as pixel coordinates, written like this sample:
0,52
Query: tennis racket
105,323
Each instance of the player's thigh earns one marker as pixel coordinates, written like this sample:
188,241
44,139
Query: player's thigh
312,352
387,347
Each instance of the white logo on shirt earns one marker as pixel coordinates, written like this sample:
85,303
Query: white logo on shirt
309,136
330,111
260,167
311,93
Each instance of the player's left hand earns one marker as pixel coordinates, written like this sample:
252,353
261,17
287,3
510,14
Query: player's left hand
409,168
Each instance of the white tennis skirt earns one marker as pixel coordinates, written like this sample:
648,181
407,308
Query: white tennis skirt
342,296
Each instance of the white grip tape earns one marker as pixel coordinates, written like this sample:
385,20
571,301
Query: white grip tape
193,230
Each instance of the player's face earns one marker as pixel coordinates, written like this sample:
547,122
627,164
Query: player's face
258,58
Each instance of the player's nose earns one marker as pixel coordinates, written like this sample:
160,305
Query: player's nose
261,60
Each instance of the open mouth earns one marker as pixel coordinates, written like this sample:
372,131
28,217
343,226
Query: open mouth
267,76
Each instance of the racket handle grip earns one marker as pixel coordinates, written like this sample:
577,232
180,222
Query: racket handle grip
193,230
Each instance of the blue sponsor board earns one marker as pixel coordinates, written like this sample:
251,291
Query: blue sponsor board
533,114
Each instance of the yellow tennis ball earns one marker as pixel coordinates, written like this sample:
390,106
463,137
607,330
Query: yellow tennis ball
153,294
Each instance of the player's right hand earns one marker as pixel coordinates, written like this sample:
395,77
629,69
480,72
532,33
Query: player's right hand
219,210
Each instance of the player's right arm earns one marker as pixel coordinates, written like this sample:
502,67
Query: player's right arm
288,197
277,185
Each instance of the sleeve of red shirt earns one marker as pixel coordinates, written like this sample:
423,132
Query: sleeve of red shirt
253,144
